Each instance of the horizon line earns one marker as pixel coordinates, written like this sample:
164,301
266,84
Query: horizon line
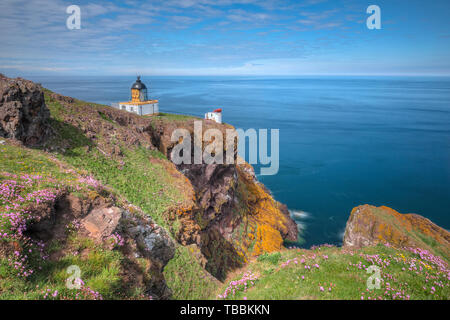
237,75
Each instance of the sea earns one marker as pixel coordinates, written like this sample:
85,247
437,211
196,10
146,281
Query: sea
343,141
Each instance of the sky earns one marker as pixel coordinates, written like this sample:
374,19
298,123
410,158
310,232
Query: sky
225,37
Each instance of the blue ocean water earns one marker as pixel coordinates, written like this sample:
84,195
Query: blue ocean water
344,141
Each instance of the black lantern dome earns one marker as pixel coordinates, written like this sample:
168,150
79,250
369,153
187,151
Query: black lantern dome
139,85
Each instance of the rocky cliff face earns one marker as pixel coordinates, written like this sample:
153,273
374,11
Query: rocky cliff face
232,217
23,113
369,225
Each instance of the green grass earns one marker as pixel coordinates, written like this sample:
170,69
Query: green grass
140,181
19,161
100,269
186,278
272,258
346,281
172,116
28,171
105,117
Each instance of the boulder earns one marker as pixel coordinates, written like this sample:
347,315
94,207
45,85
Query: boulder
152,241
149,239
101,223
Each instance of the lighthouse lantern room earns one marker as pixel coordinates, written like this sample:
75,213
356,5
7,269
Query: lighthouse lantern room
140,103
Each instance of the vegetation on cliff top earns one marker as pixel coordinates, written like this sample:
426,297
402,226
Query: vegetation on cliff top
144,183
328,272
30,177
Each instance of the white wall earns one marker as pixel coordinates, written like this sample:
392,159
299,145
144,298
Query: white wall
215,116
150,108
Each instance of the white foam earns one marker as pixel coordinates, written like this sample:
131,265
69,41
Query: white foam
300,226
299,214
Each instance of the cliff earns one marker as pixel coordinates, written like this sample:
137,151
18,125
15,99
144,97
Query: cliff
230,216
99,191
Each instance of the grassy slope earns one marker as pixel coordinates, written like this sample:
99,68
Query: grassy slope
342,275
189,280
144,183
30,171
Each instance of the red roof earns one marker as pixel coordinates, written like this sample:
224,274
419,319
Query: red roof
218,110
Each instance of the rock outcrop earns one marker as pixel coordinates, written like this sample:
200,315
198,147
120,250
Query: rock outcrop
99,219
23,113
233,217
369,225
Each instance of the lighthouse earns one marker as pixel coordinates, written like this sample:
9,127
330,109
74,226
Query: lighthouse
140,103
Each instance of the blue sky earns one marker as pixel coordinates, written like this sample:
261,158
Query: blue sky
225,37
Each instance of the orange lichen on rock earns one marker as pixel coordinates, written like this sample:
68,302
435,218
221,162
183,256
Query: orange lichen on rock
270,219
267,240
369,225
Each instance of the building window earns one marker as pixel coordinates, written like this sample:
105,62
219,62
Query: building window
143,95
124,107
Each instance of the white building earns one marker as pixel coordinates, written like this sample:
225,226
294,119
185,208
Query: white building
141,109
216,115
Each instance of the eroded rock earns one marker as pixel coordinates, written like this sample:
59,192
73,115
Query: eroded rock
23,113
152,241
369,225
